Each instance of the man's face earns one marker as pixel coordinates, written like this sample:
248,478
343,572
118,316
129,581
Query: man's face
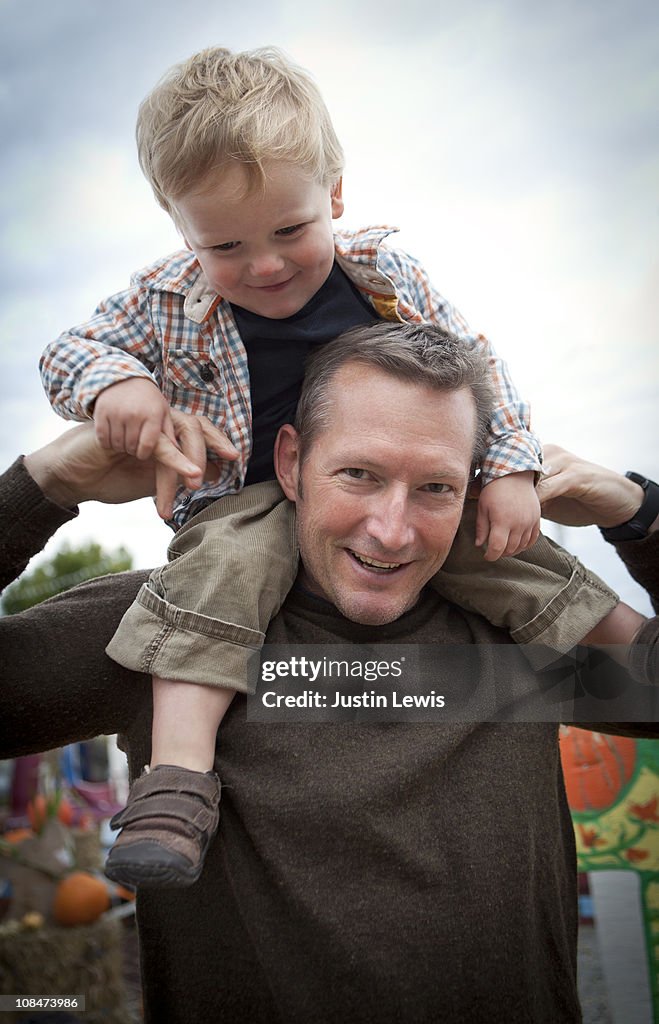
379,496
268,250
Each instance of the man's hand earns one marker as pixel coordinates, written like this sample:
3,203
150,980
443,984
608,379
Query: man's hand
508,519
75,468
130,416
579,493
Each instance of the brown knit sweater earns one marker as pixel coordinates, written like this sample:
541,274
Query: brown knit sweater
364,873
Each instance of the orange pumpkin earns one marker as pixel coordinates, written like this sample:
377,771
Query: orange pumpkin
17,835
80,898
596,767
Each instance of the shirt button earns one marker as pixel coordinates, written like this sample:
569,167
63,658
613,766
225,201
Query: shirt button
206,373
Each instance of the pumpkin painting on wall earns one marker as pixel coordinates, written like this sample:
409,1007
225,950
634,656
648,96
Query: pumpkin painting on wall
597,767
612,786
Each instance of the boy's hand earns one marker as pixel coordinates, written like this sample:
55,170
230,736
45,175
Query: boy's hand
74,468
193,435
130,416
508,519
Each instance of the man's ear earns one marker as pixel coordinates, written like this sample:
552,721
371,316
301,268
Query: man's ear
287,460
337,199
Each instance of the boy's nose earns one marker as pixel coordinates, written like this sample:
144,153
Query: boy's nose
266,265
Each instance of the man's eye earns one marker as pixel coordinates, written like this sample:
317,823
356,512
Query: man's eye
292,230
438,488
354,473
226,246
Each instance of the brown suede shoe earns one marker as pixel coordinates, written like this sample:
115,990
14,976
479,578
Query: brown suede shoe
170,818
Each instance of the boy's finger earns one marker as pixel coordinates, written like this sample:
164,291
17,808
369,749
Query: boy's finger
534,533
169,457
482,526
221,445
496,543
196,435
147,439
117,439
189,438
513,546
101,428
132,435
216,440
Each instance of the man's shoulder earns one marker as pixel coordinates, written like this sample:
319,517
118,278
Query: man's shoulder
176,272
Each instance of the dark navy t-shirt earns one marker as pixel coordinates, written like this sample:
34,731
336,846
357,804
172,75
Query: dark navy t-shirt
277,351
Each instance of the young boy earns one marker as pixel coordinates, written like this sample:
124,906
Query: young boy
240,151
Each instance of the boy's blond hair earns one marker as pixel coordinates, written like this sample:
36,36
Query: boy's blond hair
219,107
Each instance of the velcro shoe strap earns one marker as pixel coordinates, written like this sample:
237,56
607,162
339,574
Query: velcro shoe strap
172,779
188,810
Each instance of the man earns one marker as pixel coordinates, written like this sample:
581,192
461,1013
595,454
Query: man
364,873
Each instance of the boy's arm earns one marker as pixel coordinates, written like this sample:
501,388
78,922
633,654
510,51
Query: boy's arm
118,343
513,447
508,518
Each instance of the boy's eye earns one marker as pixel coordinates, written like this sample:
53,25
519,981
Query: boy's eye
292,230
225,246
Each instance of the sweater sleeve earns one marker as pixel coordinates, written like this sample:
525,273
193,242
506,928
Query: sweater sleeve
58,684
27,521
641,558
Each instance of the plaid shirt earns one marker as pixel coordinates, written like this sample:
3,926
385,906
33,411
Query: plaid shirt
170,328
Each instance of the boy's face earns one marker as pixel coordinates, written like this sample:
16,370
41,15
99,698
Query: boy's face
268,250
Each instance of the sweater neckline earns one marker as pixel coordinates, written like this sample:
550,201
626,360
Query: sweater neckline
321,611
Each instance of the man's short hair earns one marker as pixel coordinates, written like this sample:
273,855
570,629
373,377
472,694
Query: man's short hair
419,353
218,107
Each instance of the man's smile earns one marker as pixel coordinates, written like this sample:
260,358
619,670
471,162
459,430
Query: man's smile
374,564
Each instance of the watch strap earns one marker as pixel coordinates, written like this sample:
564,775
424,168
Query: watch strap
637,527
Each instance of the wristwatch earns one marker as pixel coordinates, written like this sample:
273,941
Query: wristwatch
637,527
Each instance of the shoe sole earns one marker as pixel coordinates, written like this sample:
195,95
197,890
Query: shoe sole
148,871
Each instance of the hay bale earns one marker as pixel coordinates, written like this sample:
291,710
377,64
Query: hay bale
87,849
51,960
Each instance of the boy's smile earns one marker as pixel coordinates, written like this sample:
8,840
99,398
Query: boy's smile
268,250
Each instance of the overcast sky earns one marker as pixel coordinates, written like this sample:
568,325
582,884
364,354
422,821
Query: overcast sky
515,143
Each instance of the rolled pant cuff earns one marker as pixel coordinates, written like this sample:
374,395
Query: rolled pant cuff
160,639
563,623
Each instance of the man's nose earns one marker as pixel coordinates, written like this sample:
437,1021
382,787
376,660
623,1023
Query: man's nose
265,264
390,521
